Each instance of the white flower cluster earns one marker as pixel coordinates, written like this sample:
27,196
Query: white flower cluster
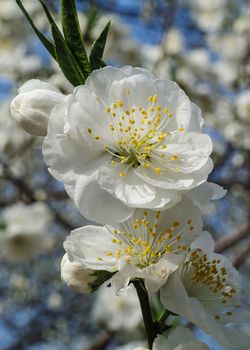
130,151
23,229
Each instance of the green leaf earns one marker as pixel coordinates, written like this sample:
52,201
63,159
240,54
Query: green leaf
64,56
92,15
3,226
49,45
101,276
73,35
96,53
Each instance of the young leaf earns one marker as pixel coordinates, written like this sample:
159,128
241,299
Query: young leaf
64,56
66,60
96,54
48,44
92,15
73,35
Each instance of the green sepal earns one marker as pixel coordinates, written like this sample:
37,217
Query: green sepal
101,277
92,15
96,53
64,56
48,44
73,35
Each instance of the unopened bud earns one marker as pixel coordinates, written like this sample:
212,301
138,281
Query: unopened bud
80,278
31,108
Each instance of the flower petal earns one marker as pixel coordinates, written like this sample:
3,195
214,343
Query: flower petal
107,209
89,245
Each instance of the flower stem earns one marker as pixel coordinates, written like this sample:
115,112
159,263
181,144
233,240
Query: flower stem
146,311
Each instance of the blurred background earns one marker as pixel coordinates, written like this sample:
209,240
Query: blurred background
204,46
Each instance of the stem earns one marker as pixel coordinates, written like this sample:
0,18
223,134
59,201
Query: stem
146,311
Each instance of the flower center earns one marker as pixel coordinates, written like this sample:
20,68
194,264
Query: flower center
206,279
141,242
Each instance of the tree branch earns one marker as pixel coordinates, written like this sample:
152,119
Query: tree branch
227,242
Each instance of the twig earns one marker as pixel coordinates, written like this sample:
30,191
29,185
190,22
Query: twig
146,311
241,258
227,242
102,341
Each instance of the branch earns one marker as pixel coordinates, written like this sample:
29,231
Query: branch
146,311
241,258
227,242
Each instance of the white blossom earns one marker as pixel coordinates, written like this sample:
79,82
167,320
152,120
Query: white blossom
209,15
117,313
149,245
243,106
11,136
226,43
23,230
77,276
205,290
126,140
179,338
173,42
32,107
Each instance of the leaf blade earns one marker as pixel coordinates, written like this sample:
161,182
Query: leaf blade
47,43
72,33
98,47
64,56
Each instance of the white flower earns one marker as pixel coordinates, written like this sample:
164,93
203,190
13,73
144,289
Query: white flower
117,313
198,59
173,42
148,245
209,14
78,277
205,290
11,136
179,339
226,71
32,107
23,230
132,346
225,45
243,106
14,62
126,140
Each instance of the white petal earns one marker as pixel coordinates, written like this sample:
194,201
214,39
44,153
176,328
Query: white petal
100,80
89,245
157,274
180,103
97,204
34,84
82,117
67,157
205,192
132,191
120,283
129,189
204,242
196,121
133,90
174,297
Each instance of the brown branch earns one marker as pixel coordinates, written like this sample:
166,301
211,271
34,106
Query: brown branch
241,258
227,242
102,340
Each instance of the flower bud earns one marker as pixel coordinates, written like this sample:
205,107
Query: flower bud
32,107
80,278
